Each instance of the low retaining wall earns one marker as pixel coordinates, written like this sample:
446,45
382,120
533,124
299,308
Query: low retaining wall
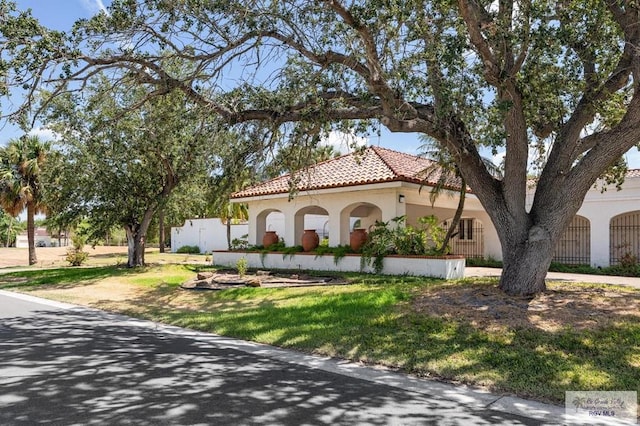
448,267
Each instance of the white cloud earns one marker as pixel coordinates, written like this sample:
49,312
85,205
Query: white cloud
45,134
94,6
343,142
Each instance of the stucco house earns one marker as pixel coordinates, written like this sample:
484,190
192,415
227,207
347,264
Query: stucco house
41,238
379,184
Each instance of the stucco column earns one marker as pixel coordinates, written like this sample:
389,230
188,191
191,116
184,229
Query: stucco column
334,227
254,224
599,240
290,224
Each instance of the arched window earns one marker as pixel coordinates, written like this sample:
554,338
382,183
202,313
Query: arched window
624,240
574,247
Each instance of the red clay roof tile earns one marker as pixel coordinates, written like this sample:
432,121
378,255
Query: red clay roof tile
373,165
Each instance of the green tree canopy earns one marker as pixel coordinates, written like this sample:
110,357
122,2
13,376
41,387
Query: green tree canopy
118,170
558,76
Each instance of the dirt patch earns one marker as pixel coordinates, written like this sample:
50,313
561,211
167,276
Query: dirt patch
54,256
561,306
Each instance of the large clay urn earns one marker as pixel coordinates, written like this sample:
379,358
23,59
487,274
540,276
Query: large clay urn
270,237
310,239
357,239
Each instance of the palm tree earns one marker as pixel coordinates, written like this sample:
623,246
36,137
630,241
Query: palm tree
21,163
229,212
446,174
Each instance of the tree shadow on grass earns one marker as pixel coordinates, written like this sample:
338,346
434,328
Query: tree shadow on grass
374,327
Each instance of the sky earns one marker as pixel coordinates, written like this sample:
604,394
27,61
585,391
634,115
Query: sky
61,14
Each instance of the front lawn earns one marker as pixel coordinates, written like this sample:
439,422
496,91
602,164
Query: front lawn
574,337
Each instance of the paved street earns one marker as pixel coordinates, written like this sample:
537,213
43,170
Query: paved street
68,365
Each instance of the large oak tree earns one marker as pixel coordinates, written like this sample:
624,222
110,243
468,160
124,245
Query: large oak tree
120,170
553,76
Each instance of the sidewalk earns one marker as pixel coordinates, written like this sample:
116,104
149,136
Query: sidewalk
561,276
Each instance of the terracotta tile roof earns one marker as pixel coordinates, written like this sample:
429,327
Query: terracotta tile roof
373,165
633,173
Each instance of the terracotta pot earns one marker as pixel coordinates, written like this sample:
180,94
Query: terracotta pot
357,239
310,239
270,237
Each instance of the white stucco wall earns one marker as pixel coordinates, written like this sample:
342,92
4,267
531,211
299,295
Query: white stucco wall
211,234
320,223
208,234
599,208
448,268
39,240
329,203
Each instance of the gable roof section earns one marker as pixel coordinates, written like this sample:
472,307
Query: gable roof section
373,165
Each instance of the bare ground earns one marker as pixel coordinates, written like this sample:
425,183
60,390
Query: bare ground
54,256
562,306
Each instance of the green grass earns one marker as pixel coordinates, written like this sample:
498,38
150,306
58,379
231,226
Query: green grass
372,321
59,277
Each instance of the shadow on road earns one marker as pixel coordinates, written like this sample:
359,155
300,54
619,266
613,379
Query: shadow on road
80,367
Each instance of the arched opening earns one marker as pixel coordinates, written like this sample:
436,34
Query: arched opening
269,220
311,217
574,246
624,237
468,239
358,215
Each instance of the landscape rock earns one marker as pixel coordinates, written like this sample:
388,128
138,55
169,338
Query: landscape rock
204,275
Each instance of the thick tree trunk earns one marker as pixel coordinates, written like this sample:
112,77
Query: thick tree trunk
229,234
31,231
161,236
136,237
525,268
135,245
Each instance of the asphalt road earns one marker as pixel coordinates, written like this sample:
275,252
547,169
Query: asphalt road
66,365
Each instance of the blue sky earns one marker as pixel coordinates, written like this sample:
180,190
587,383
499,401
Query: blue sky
61,14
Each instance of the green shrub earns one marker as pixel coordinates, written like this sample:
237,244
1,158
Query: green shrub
401,239
240,243
189,250
242,265
75,255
